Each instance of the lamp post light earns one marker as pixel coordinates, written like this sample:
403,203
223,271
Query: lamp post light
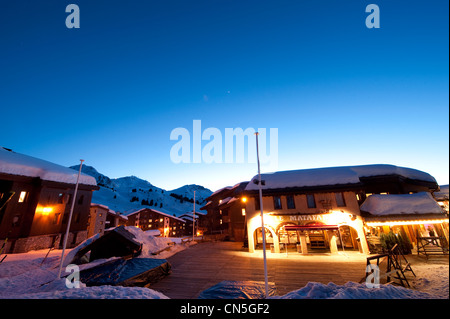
266,283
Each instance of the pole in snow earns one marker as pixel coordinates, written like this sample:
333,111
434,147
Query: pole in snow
193,220
262,220
70,219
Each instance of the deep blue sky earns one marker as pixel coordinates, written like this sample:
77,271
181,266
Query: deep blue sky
112,91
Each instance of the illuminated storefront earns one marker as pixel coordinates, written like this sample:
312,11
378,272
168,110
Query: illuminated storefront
410,215
307,233
318,210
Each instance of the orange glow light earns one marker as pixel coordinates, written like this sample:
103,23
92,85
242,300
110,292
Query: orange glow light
44,210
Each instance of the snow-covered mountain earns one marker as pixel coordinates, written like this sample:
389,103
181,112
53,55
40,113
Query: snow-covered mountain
127,194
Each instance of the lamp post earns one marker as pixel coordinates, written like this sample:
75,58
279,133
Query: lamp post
266,284
69,221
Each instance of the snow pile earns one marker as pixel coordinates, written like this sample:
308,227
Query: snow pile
353,290
72,253
150,244
100,292
419,203
334,176
18,164
26,276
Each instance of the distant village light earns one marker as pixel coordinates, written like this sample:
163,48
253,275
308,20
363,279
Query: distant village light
244,199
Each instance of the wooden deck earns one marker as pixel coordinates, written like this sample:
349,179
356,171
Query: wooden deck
206,264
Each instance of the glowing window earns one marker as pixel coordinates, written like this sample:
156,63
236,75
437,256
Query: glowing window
22,197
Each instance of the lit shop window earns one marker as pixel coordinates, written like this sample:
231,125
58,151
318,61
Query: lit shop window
22,197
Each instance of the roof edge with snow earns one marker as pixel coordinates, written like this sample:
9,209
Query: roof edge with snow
337,177
12,163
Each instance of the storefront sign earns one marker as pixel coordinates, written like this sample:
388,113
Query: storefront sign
320,217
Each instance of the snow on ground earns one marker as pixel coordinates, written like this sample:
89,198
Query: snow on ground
432,277
353,290
29,276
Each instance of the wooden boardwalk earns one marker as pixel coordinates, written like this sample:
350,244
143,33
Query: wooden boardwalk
206,264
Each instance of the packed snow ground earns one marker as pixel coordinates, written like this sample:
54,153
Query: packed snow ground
30,276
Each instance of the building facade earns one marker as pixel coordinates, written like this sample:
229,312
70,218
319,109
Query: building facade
151,219
226,212
200,223
318,210
35,202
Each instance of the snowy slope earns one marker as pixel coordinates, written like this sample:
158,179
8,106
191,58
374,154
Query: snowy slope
130,193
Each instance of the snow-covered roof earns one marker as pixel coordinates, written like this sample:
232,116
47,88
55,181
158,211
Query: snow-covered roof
384,205
156,211
334,176
100,205
13,163
220,190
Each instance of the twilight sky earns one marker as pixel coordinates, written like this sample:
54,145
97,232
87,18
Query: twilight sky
112,91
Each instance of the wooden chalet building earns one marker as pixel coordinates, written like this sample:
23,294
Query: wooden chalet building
101,218
201,225
35,201
226,212
317,210
151,219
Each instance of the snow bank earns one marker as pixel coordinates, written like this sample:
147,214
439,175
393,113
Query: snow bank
334,176
352,290
60,291
18,164
100,292
419,203
150,243
24,276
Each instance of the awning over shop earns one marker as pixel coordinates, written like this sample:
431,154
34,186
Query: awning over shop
310,227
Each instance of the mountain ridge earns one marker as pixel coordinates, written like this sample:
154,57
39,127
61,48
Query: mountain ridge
130,193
